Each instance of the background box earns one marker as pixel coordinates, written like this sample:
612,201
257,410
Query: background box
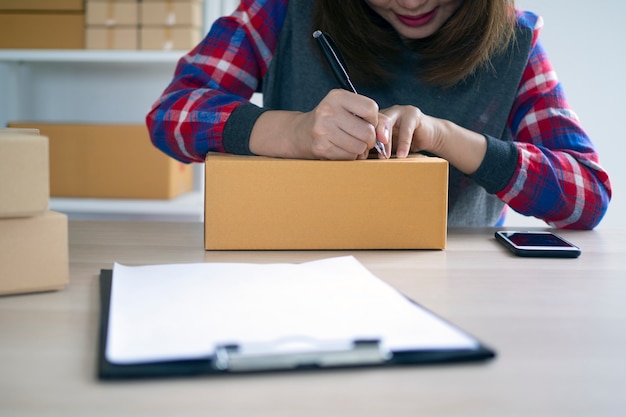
76,5
171,13
169,38
110,161
24,174
270,203
42,30
34,253
112,37
112,12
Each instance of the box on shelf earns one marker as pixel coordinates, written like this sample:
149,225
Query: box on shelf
167,38
24,173
112,37
273,204
34,253
110,161
41,5
112,13
171,13
32,30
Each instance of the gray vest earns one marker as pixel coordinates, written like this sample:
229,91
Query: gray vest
298,80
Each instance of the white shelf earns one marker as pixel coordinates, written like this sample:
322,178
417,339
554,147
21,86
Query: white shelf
82,55
188,207
99,86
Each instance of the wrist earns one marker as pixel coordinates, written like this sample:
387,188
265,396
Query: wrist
463,148
275,134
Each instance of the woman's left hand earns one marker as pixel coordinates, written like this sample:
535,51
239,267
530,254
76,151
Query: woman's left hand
413,131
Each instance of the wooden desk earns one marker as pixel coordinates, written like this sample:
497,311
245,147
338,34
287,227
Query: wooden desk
558,325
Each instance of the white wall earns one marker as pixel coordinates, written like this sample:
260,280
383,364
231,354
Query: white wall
584,41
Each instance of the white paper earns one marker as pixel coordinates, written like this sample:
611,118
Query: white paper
184,311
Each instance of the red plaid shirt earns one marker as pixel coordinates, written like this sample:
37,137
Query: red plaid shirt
558,176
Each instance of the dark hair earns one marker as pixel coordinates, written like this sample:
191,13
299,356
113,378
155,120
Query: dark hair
476,32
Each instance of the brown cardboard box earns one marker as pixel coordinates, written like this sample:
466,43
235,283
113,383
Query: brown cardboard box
112,12
171,13
269,203
30,30
39,5
34,253
169,38
110,161
113,37
24,178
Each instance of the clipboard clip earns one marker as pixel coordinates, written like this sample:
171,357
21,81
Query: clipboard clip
234,358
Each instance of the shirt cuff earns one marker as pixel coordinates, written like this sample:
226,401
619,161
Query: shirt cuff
498,166
238,128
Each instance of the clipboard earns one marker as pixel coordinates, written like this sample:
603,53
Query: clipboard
229,358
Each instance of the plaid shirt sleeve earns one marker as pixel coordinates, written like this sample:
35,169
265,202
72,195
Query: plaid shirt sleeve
215,78
558,178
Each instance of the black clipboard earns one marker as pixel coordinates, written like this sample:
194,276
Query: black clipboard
363,355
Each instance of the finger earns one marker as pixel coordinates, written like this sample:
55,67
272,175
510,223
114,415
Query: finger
383,133
350,132
361,106
352,124
404,136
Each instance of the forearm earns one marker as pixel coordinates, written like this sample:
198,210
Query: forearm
274,135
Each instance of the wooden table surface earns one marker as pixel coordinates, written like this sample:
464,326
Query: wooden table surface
558,326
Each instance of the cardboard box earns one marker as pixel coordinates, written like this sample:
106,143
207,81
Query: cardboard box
270,203
40,5
169,38
171,13
114,37
24,178
112,13
110,161
42,30
34,253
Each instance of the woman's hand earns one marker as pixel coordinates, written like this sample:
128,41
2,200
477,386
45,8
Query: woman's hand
411,130
414,131
342,126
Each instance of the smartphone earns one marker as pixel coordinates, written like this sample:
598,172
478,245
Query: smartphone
542,244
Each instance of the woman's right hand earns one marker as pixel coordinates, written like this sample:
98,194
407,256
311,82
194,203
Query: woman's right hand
341,127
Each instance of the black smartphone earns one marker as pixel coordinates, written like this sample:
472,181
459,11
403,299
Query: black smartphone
542,244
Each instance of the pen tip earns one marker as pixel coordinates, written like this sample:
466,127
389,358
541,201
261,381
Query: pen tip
317,33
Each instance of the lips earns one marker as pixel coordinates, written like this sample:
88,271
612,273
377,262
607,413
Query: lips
419,20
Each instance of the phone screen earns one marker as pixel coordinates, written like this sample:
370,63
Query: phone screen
537,244
537,239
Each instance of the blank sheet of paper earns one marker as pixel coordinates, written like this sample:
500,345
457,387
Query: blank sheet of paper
184,311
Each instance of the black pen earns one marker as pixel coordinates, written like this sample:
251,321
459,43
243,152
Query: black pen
340,70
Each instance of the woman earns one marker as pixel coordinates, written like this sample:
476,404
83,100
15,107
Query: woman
466,80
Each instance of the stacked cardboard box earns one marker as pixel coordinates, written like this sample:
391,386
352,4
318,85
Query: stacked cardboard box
112,24
170,24
143,24
110,161
42,24
33,240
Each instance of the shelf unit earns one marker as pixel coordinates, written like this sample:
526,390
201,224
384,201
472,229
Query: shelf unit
83,56
99,87
91,86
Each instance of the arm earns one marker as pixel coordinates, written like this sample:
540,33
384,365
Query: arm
216,80
558,177
550,170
